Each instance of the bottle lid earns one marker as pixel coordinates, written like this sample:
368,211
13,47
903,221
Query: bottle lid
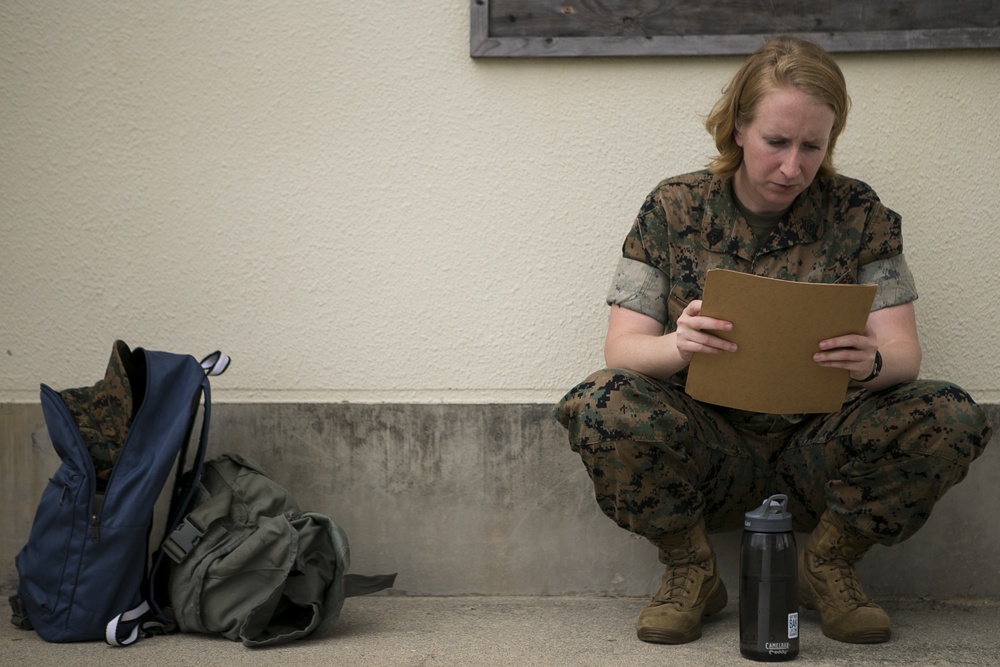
771,517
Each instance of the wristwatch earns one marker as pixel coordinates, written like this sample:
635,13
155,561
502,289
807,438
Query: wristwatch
876,368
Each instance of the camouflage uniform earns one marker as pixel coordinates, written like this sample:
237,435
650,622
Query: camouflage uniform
659,459
103,412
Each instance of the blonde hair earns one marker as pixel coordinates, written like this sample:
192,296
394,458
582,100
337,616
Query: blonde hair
780,62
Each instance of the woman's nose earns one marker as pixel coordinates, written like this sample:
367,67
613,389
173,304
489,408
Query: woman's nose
790,167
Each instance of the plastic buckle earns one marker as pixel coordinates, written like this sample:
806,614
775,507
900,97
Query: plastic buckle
19,613
184,538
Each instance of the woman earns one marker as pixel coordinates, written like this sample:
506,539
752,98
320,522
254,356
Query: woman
672,469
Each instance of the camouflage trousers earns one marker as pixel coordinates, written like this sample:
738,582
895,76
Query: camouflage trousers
660,460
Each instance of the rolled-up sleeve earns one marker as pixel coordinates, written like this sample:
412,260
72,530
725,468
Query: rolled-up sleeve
895,282
639,287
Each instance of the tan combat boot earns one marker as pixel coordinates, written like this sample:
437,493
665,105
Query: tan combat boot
691,589
829,583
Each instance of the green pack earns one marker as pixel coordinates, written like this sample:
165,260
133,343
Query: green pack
249,565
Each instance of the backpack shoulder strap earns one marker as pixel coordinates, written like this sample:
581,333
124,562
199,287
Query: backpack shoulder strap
366,584
148,617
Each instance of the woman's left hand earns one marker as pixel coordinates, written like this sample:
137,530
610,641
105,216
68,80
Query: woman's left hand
892,332
855,352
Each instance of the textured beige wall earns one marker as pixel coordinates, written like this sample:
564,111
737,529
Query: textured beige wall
337,195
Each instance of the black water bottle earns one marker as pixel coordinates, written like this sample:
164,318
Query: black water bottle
769,605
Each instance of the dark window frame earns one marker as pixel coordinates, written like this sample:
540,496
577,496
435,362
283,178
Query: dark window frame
598,28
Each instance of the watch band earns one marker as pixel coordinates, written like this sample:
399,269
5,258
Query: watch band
876,368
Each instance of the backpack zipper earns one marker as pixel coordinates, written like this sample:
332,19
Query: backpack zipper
91,474
95,516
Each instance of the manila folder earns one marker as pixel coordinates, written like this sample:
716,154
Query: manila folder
777,327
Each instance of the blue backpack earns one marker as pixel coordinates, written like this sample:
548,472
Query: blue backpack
84,571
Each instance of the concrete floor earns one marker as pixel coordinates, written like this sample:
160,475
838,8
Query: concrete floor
524,631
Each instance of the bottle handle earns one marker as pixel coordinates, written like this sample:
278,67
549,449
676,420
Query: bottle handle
776,504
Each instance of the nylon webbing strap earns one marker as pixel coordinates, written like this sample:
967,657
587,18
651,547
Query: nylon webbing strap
215,363
133,621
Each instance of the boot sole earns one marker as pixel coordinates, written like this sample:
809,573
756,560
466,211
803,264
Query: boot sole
806,600
866,637
664,637
715,603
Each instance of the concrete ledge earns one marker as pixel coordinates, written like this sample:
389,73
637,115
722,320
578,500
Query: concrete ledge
489,499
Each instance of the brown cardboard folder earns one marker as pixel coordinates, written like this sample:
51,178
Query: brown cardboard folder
777,326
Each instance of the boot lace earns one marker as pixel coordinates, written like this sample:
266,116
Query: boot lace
680,577
850,586
847,580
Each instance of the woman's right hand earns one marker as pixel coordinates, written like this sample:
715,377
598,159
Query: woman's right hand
693,333
637,342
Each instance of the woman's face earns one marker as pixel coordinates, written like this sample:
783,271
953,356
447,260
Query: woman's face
783,148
